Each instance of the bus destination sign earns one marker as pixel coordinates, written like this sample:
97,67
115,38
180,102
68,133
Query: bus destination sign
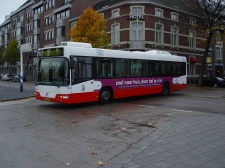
50,52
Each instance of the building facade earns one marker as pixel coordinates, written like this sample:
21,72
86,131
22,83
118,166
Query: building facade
162,25
132,25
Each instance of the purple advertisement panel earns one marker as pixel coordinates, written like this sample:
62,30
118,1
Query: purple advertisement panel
118,83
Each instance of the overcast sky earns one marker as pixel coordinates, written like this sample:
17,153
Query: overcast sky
7,6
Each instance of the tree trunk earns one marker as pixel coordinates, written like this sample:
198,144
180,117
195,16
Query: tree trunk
202,70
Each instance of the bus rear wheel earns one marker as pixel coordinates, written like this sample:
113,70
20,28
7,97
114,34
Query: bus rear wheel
105,96
166,89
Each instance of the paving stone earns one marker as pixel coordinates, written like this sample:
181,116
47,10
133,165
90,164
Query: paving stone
163,164
194,162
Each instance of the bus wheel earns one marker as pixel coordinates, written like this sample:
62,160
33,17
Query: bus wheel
105,96
165,89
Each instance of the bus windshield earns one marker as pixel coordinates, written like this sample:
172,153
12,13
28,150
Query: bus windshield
53,71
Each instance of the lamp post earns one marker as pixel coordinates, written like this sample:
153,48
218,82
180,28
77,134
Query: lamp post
21,69
23,48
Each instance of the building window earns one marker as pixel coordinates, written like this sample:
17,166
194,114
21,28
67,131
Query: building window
158,12
20,19
29,39
174,16
116,34
218,37
52,34
137,10
63,14
137,30
46,36
192,20
158,33
115,13
29,27
28,15
38,10
46,21
174,36
73,24
191,39
218,52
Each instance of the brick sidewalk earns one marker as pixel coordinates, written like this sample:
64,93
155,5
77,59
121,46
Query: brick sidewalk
192,141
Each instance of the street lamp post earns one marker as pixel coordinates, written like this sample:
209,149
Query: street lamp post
23,48
21,69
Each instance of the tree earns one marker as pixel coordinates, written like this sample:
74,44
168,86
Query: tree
90,28
12,53
211,14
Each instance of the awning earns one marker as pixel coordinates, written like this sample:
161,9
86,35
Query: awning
193,60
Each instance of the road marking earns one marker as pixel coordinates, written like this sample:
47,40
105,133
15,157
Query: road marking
204,102
186,111
195,101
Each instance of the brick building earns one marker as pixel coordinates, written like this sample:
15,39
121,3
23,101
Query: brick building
132,25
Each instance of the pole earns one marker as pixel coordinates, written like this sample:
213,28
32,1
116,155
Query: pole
21,69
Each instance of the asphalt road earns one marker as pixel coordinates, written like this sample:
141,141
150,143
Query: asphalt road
11,90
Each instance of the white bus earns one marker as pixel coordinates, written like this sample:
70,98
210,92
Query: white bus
76,73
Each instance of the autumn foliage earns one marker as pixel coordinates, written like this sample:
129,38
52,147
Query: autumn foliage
90,28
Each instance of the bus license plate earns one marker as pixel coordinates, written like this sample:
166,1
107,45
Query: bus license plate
47,99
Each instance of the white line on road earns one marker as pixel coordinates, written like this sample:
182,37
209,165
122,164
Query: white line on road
186,111
195,101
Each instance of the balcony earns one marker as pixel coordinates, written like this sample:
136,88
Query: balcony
60,23
19,24
59,39
36,16
137,44
19,37
36,45
36,31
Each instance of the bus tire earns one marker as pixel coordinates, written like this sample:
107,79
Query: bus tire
105,96
166,89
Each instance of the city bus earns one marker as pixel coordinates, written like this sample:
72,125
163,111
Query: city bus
76,73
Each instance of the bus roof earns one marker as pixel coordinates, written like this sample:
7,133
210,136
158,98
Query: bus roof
76,44
85,49
149,55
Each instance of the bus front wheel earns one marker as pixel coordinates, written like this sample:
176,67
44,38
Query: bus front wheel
166,89
105,96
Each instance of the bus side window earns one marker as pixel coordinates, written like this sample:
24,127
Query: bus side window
104,68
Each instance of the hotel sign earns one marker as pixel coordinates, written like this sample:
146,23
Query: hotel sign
135,17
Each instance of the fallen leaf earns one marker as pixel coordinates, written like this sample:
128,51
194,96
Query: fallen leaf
146,125
29,124
133,145
93,153
101,163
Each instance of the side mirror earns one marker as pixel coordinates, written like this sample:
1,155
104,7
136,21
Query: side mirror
72,64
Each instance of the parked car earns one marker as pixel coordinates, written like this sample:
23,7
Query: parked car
214,82
17,78
7,77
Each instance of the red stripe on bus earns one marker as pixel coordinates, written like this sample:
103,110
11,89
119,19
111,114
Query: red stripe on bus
119,93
